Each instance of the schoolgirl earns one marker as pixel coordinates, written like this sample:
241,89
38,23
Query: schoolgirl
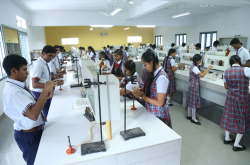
130,68
117,67
126,56
170,68
236,114
193,94
154,48
91,53
104,55
155,88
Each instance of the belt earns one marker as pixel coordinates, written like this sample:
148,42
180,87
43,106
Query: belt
38,128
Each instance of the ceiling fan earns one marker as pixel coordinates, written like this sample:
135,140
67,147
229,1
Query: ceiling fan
106,14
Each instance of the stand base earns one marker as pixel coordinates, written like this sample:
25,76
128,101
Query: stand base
90,148
132,133
70,151
133,108
89,115
60,89
75,85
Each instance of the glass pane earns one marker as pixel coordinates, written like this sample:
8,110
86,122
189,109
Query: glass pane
203,41
25,46
208,40
177,40
185,38
181,37
161,40
214,37
2,55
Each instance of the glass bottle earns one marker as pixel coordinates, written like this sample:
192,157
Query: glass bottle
188,49
228,51
161,47
101,64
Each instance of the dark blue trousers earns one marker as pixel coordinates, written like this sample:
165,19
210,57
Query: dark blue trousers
46,105
28,142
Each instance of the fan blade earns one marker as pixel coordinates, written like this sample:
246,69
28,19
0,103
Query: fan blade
103,13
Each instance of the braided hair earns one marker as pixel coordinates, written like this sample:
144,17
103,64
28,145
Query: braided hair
120,53
234,59
130,65
149,56
196,57
92,49
105,56
169,54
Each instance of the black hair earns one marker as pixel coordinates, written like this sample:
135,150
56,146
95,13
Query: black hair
49,49
92,49
111,47
196,57
216,43
120,53
105,55
130,65
126,48
121,47
173,44
234,59
56,46
153,46
150,45
149,56
198,45
83,48
80,48
183,44
13,61
241,44
108,46
169,54
235,41
208,47
63,50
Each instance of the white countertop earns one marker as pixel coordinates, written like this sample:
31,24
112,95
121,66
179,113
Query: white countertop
64,121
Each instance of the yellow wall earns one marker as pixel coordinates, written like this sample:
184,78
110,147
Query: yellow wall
116,36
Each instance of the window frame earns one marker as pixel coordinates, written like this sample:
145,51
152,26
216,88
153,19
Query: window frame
211,40
179,38
156,40
22,20
4,49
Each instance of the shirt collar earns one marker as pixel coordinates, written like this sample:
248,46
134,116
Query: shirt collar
43,60
119,62
240,48
22,84
235,65
155,73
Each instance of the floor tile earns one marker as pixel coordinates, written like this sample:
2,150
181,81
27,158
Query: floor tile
205,124
5,120
13,147
13,158
202,144
225,157
187,153
196,161
5,143
6,130
245,154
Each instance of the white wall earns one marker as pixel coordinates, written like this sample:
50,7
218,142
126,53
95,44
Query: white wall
227,24
8,12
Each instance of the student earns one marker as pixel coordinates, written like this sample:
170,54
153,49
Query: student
198,46
117,67
172,45
21,106
126,56
170,68
154,48
91,53
193,94
111,54
102,54
236,114
215,45
57,60
181,48
104,49
242,52
207,48
52,67
130,68
121,47
155,88
60,55
40,73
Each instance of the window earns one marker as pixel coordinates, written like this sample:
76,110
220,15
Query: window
207,39
24,43
21,22
70,41
2,55
158,40
180,38
134,39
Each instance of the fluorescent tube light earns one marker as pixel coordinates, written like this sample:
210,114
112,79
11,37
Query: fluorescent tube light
91,29
115,11
131,2
180,15
145,26
127,28
101,25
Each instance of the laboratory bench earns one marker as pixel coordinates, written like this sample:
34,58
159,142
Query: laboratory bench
161,145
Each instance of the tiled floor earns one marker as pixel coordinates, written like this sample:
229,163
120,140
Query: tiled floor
202,145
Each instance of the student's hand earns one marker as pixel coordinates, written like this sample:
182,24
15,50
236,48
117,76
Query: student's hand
58,76
49,85
210,67
181,64
59,82
137,93
50,93
64,72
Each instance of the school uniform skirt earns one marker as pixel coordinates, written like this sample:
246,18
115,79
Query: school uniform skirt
236,116
193,95
172,84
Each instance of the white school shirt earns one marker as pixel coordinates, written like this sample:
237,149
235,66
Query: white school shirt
91,54
107,62
110,51
172,62
155,51
243,53
179,50
246,72
52,67
129,86
118,65
16,101
162,82
40,70
214,48
60,56
196,70
126,53
57,62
